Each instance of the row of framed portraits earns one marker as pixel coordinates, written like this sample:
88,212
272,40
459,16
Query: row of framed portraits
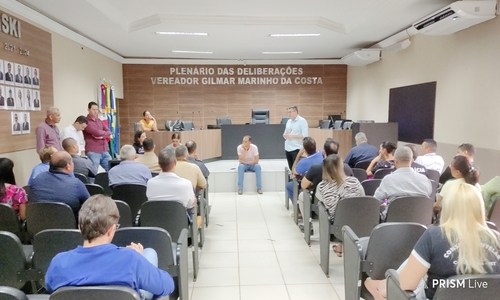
21,123
19,98
19,75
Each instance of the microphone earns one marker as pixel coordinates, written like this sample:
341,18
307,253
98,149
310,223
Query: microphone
201,120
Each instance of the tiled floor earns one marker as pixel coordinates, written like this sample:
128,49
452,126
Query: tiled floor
253,250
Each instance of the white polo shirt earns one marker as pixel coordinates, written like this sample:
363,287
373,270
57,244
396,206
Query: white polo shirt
296,127
169,186
71,132
431,161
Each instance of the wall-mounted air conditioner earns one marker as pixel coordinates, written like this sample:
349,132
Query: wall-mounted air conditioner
456,16
362,57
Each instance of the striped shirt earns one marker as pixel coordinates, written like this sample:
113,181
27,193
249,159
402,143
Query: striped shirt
332,192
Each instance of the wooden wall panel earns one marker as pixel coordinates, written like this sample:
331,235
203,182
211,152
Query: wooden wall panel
203,103
39,44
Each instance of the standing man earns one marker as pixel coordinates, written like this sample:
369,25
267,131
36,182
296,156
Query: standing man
95,135
248,156
75,131
295,131
47,133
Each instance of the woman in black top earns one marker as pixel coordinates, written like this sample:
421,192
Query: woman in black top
384,160
139,137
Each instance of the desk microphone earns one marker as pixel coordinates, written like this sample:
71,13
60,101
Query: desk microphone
201,120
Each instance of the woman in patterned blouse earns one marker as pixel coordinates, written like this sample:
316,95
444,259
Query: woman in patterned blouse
10,193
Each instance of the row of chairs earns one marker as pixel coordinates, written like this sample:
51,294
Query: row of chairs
363,165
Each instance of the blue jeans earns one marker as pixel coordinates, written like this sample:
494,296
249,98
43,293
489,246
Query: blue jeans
289,189
151,255
100,158
249,168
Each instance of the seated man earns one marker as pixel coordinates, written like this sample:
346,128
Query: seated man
466,150
149,158
193,158
315,173
361,152
58,185
128,171
187,170
416,167
83,165
248,157
429,159
402,182
132,266
306,157
167,185
45,154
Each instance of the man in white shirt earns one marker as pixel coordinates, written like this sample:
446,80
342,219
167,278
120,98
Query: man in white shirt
429,159
295,131
248,156
76,131
167,185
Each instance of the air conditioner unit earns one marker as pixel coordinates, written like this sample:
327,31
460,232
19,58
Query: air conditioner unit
456,16
362,57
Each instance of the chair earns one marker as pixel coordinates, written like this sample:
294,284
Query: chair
27,189
494,214
40,216
347,125
10,293
172,253
306,215
13,271
223,121
415,209
94,189
48,243
125,214
394,291
284,120
187,125
133,194
137,127
103,180
325,124
360,174
260,116
363,164
203,209
108,292
433,175
388,246
359,213
9,221
434,186
381,173
172,216
491,225
154,174
82,177
295,195
370,186
288,175
207,212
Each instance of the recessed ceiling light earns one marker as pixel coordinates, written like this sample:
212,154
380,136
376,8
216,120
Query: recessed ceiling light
293,34
193,52
182,33
290,52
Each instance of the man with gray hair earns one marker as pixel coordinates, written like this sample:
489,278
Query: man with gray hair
128,171
404,181
47,133
187,170
167,185
361,152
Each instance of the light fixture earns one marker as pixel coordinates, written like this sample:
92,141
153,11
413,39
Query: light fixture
282,52
181,33
293,34
192,52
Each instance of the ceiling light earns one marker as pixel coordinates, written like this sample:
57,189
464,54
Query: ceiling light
182,33
193,52
293,34
291,52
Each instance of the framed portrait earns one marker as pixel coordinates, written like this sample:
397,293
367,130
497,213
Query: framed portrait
35,81
27,80
16,125
18,74
10,102
37,102
2,97
26,123
19,98
28,99
8,72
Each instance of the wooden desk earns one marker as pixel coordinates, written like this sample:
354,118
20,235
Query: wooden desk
208,142
344,137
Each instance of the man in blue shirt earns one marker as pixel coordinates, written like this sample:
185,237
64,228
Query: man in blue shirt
306,157
98,262
296,129
128,171
58,185
45,154
363,151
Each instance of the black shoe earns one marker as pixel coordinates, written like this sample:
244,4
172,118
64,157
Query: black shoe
301,227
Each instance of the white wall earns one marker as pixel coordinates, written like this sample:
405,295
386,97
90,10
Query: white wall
466,67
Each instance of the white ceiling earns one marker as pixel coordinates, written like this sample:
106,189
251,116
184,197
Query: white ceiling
236,29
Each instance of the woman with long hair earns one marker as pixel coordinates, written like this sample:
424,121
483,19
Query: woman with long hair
139,137
384,160
461,244
10,193
463,171
335,186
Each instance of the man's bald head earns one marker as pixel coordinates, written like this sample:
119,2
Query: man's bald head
61,161
69,144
